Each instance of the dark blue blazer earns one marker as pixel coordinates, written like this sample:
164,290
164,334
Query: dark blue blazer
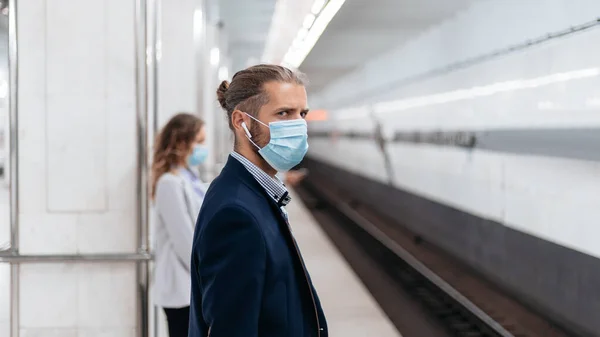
248,277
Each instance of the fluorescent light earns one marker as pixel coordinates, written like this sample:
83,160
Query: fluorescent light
317,6
198,23
308,21
214,56
302,33
294,57
158,50
223,73
486,90
149,55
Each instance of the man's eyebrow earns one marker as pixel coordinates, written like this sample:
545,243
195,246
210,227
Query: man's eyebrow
283,108
289,108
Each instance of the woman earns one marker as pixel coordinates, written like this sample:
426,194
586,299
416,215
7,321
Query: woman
177,193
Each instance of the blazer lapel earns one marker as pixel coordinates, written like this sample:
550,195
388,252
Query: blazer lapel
236,169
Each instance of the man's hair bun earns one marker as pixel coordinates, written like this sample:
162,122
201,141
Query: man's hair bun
222,94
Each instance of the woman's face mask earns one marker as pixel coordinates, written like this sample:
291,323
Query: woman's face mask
288,144
198,155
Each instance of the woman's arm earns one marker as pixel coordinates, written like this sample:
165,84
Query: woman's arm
172,209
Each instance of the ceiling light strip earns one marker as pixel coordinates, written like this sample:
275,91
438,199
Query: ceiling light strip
486,90
311,31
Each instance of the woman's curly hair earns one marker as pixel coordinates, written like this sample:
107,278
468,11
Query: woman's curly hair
173,144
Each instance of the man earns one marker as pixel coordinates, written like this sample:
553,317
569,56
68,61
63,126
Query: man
248,277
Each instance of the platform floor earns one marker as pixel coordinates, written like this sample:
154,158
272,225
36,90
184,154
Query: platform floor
350,309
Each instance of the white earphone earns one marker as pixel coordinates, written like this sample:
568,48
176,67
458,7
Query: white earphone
246,129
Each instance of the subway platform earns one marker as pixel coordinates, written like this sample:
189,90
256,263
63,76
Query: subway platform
350,309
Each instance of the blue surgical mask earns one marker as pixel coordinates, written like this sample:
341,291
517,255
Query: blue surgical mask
198,155
288,144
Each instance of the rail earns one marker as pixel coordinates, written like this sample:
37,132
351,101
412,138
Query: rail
8,257
414,263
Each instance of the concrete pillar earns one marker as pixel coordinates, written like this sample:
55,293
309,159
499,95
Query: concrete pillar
77,165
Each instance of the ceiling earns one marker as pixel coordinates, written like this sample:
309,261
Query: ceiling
361,30
246,24
364,29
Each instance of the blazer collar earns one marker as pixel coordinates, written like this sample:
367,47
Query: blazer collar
235,169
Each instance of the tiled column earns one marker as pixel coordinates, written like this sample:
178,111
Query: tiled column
77,165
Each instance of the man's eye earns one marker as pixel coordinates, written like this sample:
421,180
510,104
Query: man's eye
303,114
282,113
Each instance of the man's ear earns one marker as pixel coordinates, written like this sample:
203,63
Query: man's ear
237,118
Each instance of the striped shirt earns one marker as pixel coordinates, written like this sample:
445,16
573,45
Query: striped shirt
272,185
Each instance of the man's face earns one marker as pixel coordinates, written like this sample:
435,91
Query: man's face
287,101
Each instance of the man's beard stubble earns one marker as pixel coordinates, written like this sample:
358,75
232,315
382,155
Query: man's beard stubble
259,135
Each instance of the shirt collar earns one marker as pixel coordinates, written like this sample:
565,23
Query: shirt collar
272,185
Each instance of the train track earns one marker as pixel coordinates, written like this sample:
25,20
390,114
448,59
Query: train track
422,290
